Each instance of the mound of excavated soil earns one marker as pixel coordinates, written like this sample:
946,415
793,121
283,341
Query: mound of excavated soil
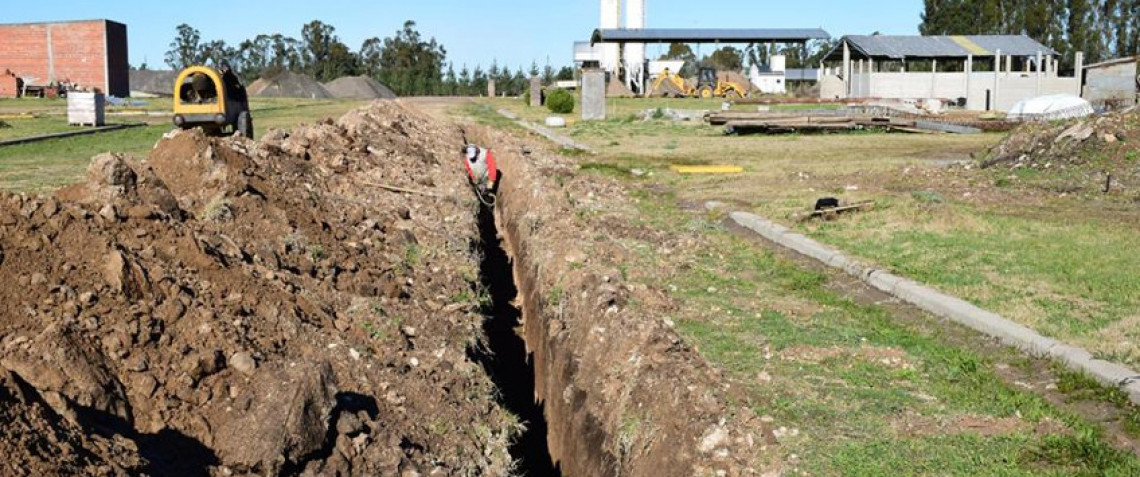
226,306
1081,153
288,85
158,83
358,87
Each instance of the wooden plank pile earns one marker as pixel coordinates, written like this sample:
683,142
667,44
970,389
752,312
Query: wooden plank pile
747,122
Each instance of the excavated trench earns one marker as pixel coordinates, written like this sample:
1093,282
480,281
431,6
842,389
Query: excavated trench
506,359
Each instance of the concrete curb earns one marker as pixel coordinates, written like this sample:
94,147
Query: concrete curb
544,132
85,132
949,307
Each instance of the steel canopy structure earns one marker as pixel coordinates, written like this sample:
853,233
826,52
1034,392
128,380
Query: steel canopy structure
700,35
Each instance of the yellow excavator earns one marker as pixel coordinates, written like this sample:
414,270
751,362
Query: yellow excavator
213,99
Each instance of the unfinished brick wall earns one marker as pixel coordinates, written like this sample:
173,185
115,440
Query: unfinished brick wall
91,54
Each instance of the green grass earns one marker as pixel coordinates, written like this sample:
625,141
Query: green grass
1073,279
753,313
21,127
46,165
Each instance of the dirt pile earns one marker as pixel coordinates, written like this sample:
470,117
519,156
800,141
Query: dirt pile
229,307
1077,155
287,84
358,87
151,82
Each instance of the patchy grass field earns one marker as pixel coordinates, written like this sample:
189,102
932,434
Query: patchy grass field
1063,265
852,382
46,165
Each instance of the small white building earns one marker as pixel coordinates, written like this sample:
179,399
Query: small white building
982,72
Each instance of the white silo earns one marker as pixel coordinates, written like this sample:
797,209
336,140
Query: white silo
635,52
611,18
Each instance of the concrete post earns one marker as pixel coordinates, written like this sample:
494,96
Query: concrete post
969,76
1078,73
997,80
593,94
870,78
535,91
846,70
933,77
1040,60
1008,65
490,88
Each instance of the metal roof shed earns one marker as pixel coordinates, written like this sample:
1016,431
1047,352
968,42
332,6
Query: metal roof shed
686,35
893,47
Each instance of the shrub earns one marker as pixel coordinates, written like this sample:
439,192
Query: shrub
526,98
560,101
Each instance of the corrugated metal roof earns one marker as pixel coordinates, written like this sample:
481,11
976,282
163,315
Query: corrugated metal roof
897,47
684,35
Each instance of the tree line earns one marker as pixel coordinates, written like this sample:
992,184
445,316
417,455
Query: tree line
1102,29
406,62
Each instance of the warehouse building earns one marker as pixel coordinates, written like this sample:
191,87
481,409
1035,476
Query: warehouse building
90,54
982,72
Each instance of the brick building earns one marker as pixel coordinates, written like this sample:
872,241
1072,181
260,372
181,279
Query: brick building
90,54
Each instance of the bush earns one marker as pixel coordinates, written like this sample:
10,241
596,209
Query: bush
560,101
526,98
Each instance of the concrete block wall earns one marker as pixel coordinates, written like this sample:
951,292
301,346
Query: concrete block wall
1005,90
91,54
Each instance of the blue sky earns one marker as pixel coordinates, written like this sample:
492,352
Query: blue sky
514,32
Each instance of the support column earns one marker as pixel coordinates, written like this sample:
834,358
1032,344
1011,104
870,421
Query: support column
846,70
969,73
1079,72
1040,73
1008,65
933,77
997,81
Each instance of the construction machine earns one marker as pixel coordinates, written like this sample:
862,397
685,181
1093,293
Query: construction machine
213,99
670,84
709,85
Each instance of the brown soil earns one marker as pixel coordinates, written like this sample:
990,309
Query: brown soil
623,393
226,306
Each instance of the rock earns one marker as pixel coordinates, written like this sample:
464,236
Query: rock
715,437
110,213
38,279
287,418
349,424
112,170
124,276
1110,138
243,362
73,377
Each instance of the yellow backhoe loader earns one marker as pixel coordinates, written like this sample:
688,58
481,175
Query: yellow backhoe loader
709,85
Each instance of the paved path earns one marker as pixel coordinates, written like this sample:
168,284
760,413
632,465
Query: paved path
547,133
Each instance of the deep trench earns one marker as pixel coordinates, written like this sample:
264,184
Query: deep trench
505,358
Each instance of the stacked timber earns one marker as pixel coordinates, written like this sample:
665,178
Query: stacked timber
766,122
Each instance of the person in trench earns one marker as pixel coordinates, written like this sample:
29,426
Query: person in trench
482,171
